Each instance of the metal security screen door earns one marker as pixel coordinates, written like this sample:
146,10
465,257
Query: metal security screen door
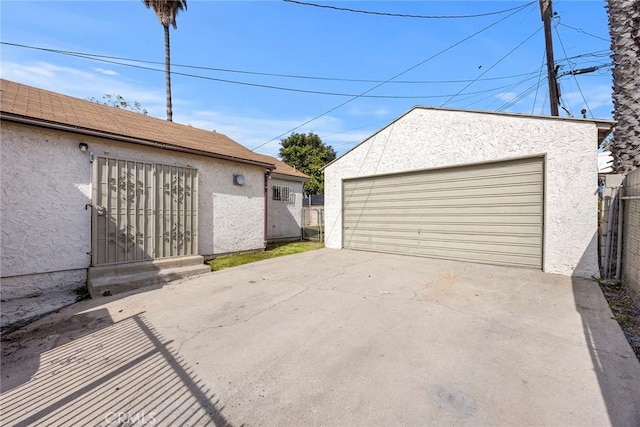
142,211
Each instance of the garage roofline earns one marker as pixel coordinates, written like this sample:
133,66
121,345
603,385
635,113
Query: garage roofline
604,126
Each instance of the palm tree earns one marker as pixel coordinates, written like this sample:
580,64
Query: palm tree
624,28
167,11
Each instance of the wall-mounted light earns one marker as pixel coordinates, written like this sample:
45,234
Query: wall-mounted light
83,146
238,179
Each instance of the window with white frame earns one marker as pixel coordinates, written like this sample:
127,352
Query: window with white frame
283,194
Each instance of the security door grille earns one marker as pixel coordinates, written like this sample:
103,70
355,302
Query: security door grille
490,213
143,211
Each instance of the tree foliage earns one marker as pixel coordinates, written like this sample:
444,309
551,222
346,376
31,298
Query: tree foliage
118,101
624,28
309,155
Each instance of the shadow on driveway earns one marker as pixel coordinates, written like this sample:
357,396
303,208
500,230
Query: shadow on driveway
123,374
614,362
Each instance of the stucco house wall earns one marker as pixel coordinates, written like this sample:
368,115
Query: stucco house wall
426,138
284,219
46,183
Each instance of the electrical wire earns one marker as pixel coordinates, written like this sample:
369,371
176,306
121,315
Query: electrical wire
535,98
288,89
580,30
392,78
520,97
495,64
402,15
514,85
227,70
574,76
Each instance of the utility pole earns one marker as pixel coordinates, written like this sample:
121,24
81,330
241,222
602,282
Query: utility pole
546,11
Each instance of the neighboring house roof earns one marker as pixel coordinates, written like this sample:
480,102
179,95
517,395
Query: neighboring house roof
284,169
604,126
30,105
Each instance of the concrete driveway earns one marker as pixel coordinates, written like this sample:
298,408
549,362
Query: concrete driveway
331,338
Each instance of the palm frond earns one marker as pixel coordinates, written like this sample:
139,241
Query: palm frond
166,10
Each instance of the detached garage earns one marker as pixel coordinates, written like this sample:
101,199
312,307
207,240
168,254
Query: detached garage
492,188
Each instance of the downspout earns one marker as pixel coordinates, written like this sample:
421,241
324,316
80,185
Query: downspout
92,198
267,175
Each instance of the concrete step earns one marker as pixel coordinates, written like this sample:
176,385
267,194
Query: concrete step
142,266
129,279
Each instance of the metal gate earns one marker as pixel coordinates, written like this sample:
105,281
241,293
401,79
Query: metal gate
313,224
142,211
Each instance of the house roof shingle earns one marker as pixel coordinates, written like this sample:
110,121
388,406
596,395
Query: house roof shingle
284,169
44,108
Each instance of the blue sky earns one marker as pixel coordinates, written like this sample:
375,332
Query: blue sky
499,68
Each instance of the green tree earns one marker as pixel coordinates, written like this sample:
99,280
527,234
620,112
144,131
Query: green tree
624,28
118,101
166,10
309,155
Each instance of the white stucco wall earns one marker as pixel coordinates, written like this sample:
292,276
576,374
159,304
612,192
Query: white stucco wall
426,138
284,219
46,185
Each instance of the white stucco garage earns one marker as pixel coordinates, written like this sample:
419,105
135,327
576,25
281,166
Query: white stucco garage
495,188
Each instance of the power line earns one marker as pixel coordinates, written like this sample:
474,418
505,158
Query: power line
402,15
521,96
258,73
288,89
496,63
580,30
388,80
587,70
574,74
514,85
535,98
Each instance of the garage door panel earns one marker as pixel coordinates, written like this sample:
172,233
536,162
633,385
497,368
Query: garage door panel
449,220
530,230
432,236
522,170
444,201
453,246
485,257
391,189
451,193
490,231
460,210
488,213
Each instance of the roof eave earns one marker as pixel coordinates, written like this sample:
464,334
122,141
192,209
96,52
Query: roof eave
122,138
289,177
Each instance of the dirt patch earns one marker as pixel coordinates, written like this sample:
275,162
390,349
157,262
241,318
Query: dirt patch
625,310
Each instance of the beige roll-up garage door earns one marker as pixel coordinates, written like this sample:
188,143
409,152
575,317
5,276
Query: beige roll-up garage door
489,213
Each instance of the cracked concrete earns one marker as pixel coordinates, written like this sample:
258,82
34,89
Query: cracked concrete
334,337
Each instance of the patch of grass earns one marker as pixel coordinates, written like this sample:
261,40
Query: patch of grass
273,251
